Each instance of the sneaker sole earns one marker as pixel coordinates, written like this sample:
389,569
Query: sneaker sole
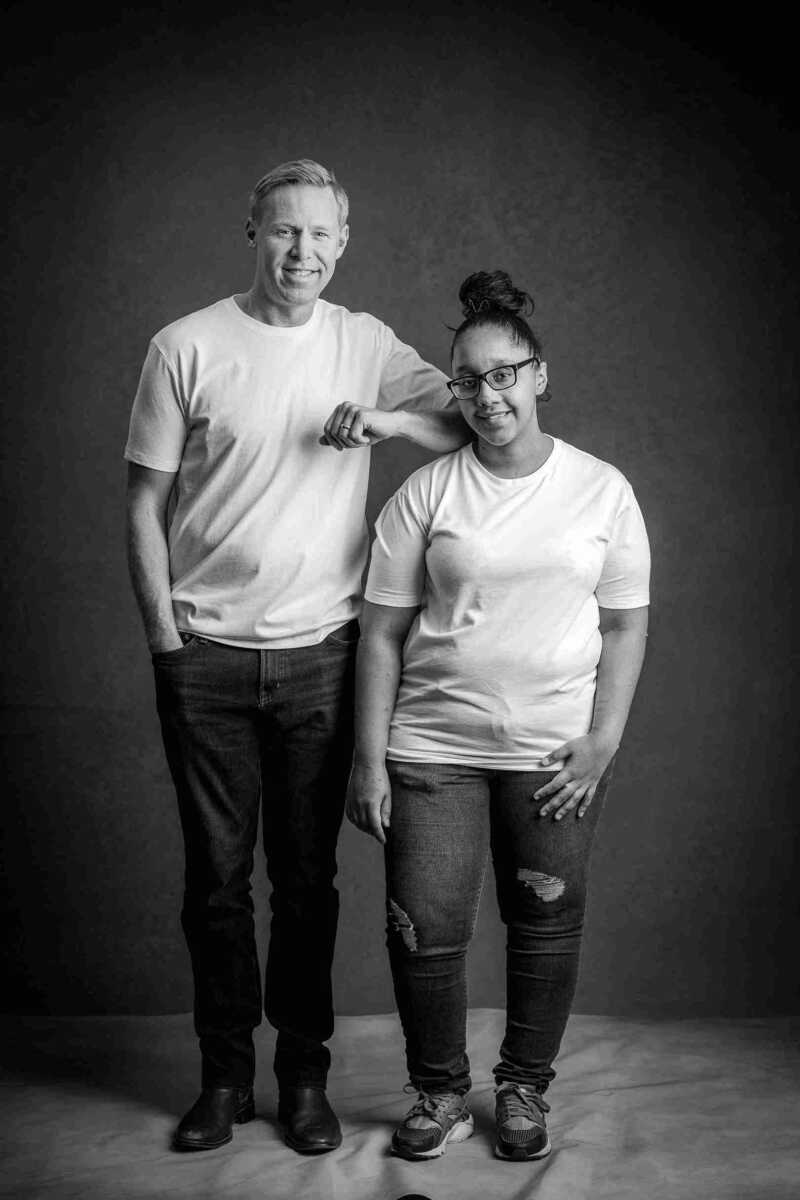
459,1133
519,1153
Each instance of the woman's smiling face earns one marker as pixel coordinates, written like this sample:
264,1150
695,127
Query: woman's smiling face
498,417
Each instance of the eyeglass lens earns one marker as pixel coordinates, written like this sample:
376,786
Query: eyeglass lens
498,379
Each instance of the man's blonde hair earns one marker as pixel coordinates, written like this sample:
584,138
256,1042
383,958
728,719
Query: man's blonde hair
298,171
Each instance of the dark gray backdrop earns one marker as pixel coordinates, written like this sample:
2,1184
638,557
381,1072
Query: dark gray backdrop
634,173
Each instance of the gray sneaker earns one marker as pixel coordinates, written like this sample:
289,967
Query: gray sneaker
436,1119
521,1127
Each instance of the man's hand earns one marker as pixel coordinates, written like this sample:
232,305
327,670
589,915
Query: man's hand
369,800
351,425
166,642
585,759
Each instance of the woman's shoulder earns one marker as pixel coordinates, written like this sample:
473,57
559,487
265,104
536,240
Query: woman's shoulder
433,477
589,468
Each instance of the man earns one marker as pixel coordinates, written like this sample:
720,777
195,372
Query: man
249,596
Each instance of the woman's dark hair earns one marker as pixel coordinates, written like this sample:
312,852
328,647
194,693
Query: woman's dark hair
490,298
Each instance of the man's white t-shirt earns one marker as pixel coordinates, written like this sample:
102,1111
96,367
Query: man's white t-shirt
500,664
268,539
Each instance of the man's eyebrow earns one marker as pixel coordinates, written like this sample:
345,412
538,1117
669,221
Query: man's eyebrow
287,224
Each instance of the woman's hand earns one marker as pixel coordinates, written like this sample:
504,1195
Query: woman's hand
369,800
585,759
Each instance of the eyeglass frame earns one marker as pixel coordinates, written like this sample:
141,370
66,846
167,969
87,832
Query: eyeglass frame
485,375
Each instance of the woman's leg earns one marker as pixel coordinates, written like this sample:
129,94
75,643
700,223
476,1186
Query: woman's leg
541,868
436,852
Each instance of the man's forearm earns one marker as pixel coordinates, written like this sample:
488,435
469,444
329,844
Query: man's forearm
148,563
441,430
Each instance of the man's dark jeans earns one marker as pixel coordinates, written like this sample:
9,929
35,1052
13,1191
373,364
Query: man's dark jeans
243,730
444,820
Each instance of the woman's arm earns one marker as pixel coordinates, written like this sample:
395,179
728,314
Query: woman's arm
624,633
380,652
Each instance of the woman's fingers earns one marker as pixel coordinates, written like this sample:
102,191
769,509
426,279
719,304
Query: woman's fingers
367,815
369,802
571,803
587,799
354,814
554,785
575,784
556,756
558,795
568,797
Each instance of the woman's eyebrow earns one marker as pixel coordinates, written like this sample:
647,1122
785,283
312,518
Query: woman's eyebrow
493,363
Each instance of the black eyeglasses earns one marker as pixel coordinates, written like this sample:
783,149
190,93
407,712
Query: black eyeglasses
466,387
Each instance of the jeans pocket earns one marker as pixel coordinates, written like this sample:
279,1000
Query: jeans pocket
189,641
345,635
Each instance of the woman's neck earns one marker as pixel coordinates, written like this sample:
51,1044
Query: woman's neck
520,457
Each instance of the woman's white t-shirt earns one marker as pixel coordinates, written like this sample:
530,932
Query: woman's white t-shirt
500,664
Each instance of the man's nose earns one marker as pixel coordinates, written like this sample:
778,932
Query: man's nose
301,247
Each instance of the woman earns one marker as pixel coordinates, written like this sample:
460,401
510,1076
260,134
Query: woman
502,640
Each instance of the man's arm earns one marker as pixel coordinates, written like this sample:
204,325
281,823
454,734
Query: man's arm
148,556
351,425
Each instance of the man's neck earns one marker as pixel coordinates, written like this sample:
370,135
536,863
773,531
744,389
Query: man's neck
261,309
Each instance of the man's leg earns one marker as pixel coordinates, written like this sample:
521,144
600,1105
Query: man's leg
307,757
206,700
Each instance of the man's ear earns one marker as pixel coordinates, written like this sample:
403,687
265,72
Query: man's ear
250,230
344,235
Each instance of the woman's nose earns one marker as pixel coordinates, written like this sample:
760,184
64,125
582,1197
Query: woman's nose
485,397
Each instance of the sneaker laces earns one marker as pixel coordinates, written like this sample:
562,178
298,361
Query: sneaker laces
436,1107
520,1104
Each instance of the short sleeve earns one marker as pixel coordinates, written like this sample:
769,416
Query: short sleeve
397,566
157,431
407,381
625,578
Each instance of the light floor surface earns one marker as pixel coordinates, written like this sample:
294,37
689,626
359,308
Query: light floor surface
707,1109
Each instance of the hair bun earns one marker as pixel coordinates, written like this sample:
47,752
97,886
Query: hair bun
486,290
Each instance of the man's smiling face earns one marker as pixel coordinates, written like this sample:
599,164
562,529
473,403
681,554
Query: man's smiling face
298,241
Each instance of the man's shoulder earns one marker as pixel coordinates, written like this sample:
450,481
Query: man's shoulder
354,323
193,326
